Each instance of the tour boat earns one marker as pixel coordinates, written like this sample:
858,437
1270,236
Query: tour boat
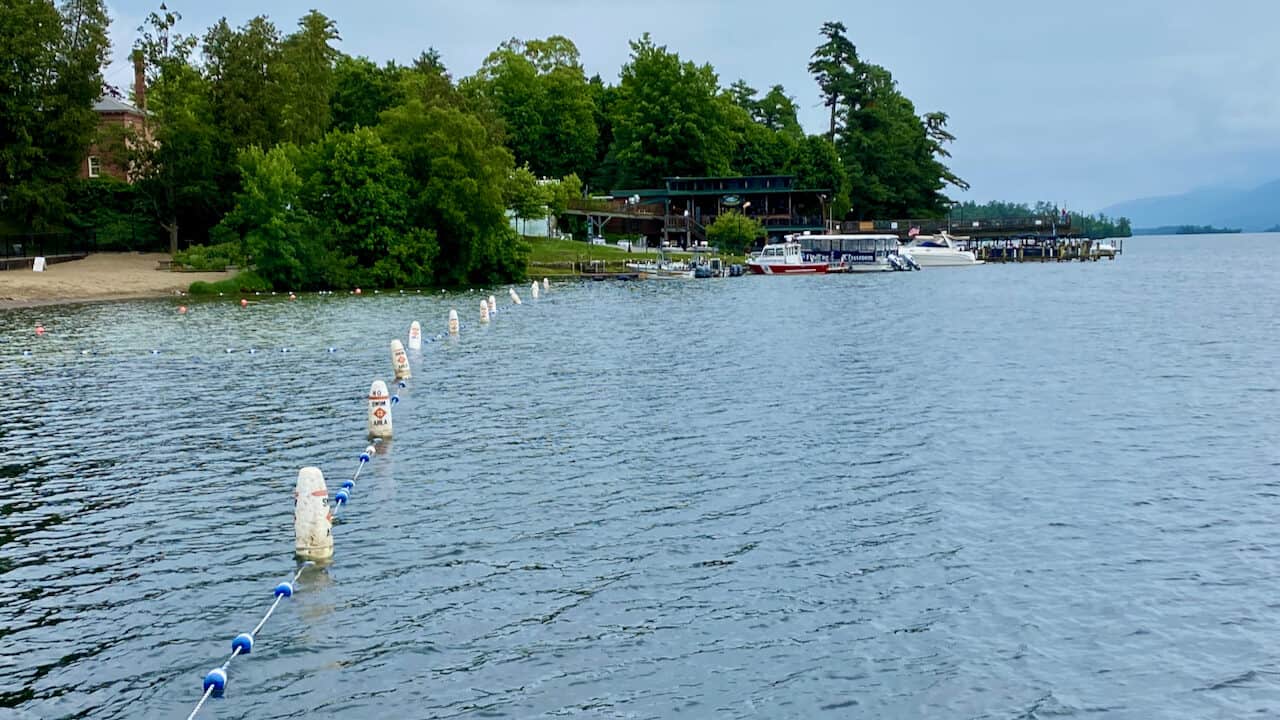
938,250
784,259
854,253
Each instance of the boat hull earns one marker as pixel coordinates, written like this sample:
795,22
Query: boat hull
944,258
788,268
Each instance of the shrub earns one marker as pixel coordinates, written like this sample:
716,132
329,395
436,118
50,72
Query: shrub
247,281
210,258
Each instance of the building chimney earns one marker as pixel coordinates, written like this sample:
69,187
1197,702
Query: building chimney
139,82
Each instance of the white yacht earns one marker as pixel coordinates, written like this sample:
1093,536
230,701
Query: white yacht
938,251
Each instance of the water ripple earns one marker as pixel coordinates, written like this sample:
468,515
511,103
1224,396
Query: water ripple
995,493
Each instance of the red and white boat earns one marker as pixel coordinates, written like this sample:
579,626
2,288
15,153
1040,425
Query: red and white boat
784,259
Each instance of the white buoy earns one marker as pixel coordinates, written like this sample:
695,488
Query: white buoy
533,290
484,311
379,410
545,285
312,521
399,360
493,305
514,297
453,322
415,336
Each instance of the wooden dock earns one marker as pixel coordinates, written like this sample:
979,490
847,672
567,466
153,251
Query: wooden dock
1001,250
1028,239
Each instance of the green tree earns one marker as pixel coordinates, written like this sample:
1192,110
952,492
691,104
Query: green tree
777,111
669,118
50,76
243,70
525,196
892,157
733,232
457,175
307,61
834,65
566,189
816,164
743,95
357,190
604,169
760,150
277,233
177,158
935,125
362,91
539,91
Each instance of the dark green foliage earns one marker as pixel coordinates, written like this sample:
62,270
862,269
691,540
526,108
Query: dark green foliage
307,72
669,119
362,91
116,212
211,258
245,282
458,175
539,91
51,62
890,154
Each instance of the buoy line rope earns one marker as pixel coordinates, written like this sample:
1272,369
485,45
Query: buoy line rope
215,681
343,496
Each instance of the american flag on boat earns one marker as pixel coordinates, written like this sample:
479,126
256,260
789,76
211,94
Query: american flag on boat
914,231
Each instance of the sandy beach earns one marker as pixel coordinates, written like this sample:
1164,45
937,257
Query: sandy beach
102,276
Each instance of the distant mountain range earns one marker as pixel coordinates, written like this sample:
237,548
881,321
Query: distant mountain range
1253,210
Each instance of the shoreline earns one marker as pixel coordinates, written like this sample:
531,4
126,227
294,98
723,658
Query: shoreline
99,277
20,304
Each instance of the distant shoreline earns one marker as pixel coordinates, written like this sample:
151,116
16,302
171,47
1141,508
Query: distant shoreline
1187,230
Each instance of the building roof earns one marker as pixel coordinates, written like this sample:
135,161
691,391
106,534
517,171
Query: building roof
108,104
727,177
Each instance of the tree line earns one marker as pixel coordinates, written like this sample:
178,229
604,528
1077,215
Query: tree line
1094,226
323,169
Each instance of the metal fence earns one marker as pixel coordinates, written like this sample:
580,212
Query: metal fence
26,245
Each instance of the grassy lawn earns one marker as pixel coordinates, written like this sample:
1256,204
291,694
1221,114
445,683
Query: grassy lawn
548,251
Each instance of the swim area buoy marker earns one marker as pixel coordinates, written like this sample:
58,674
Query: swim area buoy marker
514,297
453,322
484,311
399,360
493,305
379,410
415,336
533,290
545,284
312,520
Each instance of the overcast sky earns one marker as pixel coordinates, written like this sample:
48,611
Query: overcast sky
1081,102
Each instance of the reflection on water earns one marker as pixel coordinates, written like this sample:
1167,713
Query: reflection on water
998,491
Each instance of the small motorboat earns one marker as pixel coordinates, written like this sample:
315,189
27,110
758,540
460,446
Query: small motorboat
784,259
939,250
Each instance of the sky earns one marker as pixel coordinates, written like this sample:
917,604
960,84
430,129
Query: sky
1084,103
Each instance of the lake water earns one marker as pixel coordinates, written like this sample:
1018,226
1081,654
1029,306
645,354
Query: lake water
999,492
